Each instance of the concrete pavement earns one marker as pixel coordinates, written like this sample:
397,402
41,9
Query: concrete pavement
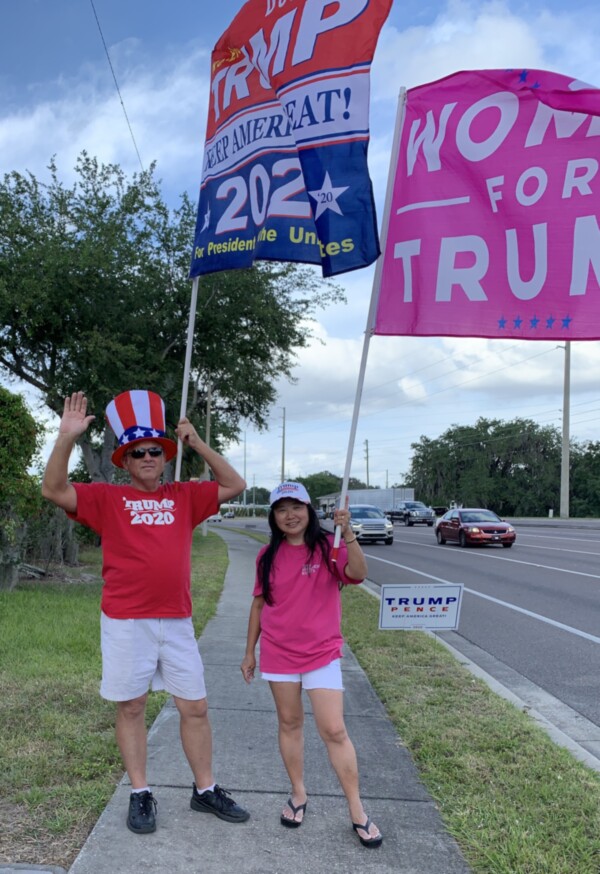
247,763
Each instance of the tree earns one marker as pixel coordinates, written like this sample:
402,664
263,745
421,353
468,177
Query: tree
94,295
326,483
259,495
323,483
585,479
511,467
19,491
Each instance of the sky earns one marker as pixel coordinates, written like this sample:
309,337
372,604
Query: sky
58,97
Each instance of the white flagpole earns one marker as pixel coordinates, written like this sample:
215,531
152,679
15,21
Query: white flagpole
372,311
186,371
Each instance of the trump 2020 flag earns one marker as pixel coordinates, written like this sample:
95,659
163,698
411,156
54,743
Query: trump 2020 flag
493,224
285,172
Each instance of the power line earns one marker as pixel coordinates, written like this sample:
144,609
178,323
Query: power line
116,85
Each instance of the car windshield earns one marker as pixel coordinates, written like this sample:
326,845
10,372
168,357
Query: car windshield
415,505
479,516
366,513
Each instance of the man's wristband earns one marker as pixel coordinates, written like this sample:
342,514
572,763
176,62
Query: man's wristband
350,541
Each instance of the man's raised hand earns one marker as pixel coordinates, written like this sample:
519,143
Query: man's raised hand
74,420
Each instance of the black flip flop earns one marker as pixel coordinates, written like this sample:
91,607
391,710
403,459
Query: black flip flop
291,823
367,842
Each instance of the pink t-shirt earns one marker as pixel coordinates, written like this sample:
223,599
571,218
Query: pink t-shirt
301,631
146,544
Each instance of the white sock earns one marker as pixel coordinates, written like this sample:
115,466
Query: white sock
143,789
206,789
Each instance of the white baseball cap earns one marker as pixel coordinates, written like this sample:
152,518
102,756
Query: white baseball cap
296,491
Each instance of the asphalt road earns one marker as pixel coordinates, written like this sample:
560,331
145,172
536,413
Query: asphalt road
534,609
530,615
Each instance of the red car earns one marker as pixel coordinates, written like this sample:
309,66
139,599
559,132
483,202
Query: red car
474,527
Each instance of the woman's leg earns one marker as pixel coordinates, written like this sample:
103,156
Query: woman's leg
328,709
290,716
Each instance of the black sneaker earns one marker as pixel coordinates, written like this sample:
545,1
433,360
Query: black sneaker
217,802
142,808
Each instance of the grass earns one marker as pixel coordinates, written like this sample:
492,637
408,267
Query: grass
59,762
515,802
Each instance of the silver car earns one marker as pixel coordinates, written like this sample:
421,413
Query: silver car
370,524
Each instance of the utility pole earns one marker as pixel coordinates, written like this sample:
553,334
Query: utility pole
254,494
244,468
283,448
564,460
386,480
367,458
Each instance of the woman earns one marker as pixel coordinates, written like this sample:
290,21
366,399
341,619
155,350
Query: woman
296,611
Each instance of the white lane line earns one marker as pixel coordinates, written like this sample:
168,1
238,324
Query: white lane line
546,567
522,610
490,555
562,549
522,534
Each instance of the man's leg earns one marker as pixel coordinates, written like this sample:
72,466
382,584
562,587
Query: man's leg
196,738
130,731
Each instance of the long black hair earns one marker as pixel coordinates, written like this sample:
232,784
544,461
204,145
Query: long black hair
314,538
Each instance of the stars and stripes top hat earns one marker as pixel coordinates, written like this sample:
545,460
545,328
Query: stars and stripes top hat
138,415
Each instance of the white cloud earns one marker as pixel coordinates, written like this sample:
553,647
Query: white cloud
163,101
464,36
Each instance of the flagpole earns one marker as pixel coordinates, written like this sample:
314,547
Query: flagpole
186,371
564,459
372,311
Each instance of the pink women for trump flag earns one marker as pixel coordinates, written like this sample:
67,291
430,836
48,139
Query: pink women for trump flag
493,227
285,173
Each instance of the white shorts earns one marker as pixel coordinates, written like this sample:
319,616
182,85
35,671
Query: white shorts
142,654
327,677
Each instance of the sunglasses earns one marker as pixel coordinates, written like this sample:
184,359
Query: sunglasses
153,452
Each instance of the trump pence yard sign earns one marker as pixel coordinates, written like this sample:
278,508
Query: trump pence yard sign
412,606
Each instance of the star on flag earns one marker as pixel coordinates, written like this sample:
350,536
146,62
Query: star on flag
326,197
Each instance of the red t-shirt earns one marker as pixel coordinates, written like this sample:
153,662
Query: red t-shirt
301,631
146,544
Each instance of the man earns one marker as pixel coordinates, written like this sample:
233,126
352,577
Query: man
147,635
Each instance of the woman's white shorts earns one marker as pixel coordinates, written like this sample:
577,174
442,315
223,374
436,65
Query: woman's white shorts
142,654
327,677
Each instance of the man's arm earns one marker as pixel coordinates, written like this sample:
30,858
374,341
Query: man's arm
55,485
231,484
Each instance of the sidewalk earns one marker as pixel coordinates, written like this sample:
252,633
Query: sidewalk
247,763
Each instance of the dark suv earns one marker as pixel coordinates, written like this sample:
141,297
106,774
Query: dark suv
413,513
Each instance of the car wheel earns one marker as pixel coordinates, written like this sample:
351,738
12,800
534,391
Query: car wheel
440,538
406,522
507,545
462,539
389,540
430,524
